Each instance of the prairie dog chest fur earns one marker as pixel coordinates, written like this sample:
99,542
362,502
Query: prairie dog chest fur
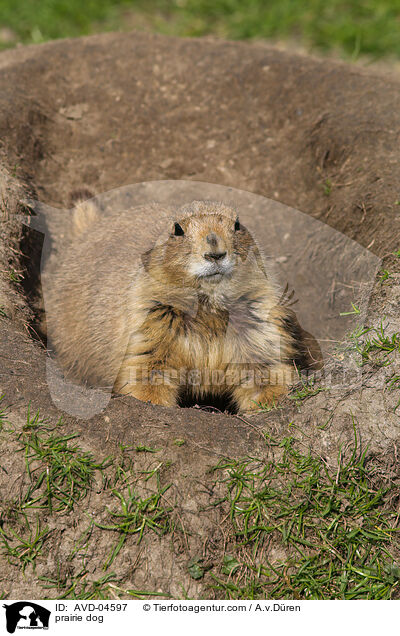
198,296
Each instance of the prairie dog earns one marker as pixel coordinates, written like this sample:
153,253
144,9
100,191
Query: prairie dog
158,305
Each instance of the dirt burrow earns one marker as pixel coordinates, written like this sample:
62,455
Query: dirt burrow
117,109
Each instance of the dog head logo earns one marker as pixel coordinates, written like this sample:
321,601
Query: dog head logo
26,615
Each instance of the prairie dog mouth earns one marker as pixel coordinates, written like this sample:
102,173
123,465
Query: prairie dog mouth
212,272
213,276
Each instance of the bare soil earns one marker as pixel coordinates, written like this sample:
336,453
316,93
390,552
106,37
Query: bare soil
118,109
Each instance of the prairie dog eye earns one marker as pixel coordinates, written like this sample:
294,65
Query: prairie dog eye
178,231
237,225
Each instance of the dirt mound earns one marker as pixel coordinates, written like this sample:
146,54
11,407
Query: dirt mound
114,110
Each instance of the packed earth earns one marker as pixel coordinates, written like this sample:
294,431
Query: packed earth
141,501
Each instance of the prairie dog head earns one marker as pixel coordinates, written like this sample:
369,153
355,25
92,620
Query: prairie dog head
206,246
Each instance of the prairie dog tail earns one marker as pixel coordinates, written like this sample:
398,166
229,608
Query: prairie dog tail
86,212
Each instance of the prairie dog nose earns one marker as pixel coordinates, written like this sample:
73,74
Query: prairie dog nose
214,256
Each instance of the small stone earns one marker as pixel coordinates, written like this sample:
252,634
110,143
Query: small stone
74,112
166,163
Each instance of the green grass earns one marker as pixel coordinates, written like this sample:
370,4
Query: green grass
57,477
335,526
23,548
266,407
384,276
60,474
146,449
353,28
79,587
136,515
35,22
15,276
327,185
378,349
307,387
355,311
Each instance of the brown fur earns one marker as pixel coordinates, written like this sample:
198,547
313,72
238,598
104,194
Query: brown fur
153,309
